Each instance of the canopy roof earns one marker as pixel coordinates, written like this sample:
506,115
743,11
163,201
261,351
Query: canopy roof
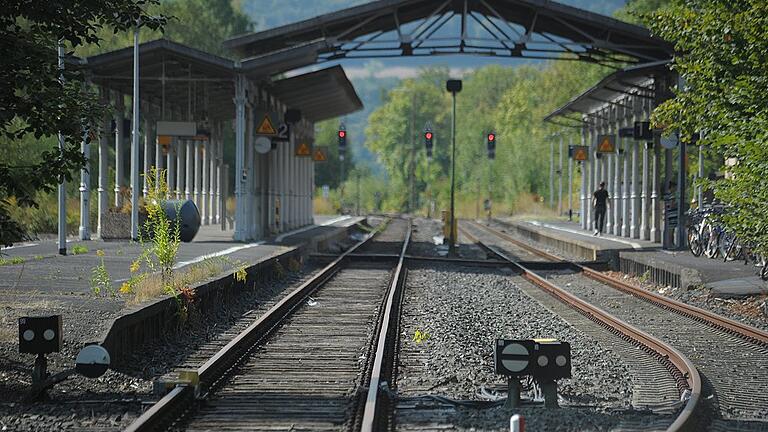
512,28
629,81
194,84
319,95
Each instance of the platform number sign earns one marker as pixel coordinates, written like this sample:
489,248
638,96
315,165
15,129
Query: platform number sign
513,357
283,132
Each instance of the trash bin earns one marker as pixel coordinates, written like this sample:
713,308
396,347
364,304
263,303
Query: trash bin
186,213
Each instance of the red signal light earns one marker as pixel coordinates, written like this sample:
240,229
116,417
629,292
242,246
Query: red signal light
428,135
342,134
491,137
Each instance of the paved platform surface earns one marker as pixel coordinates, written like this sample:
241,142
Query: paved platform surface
43,270
726,279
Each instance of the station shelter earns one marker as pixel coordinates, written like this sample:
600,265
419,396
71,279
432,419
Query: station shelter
190,101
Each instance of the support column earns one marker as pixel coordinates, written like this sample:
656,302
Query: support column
272,187
103,166
212,179
616,193
655,232
220,199
645,231
171,162
570,182
85,190
591,166
119,143
158,159
608,173
626,204
249,180
196,178
181,169
189,171
147,154
205,182
634,229
240,232
584,168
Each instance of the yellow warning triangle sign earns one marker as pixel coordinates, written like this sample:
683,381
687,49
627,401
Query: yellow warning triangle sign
606,145
303,150
580,154
319,155
266,127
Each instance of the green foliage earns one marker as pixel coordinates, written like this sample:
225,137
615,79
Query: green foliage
723,48
510,101
101,282
11,261
420,337
165,235
79,249
241,274
36,102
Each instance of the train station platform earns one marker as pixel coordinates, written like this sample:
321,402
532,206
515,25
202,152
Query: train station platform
678,269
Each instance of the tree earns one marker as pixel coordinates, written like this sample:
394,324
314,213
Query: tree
723,52
38,99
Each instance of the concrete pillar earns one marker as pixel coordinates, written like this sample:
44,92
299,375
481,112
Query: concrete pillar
85,190
219,172
273,188
171,162
197,176
655,231
283,185
189,170
158,158
645,192
584,204
591,164
608,173
617,158
147,154
213,143
181,168
625,190
311,191
249,167
634,228
205,182
119,148
240,99
103,166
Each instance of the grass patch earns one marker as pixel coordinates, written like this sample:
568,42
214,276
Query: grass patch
150,286
11,261
79,250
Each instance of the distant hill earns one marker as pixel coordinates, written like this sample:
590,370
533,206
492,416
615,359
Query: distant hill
372,78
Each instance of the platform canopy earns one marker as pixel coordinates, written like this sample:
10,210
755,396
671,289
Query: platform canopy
634,80
195,84
538,29
320,95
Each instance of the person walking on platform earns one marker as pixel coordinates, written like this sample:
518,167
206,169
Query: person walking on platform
600,201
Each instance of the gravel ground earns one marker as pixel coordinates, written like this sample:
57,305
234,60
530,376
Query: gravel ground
117,398
463,311
751,310
731,369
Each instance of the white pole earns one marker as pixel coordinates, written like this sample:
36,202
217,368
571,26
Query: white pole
560,177
85,190
240,231
171,162
147,154
103,166
135,141
204,185
62,205
190,168
181,150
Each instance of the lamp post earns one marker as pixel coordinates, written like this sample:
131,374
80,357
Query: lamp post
453,86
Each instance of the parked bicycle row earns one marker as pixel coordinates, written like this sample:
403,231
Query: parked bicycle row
709,238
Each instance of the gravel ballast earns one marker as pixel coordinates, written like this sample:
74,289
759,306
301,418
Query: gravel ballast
464,311
113,401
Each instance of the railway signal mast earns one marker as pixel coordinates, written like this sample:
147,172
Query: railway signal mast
428,141
342,134
490,140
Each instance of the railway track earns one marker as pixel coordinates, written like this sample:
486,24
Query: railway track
729,356
314,361
681,369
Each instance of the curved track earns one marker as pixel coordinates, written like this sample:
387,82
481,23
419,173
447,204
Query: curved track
675,363
730,356
308,362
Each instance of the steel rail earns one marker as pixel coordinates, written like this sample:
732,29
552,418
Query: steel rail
745,331
374,410
172,405
679,365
